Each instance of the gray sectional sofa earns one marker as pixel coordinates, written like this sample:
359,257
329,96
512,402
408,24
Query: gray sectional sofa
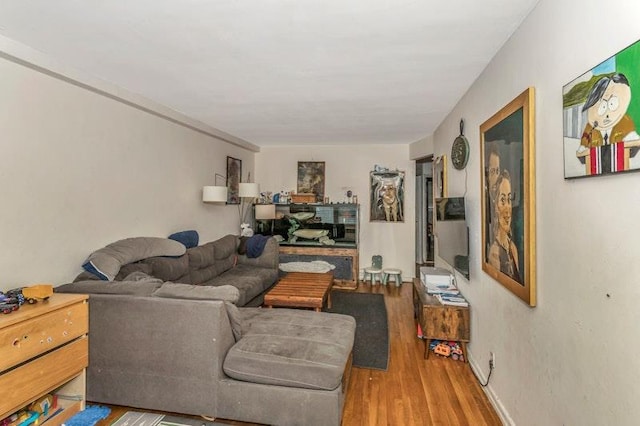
215,263
189,349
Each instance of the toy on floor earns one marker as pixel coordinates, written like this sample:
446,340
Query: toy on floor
447,349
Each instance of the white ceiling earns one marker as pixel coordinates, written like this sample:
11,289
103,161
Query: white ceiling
280,72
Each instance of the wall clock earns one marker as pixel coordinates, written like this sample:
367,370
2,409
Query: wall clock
460,150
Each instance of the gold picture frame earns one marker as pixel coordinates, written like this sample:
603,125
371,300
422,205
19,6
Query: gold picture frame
507,176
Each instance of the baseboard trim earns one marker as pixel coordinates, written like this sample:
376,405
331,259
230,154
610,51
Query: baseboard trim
505,418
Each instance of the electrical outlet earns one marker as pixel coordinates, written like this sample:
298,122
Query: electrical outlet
492,360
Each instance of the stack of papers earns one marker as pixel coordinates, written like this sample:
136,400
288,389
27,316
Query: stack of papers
454,299
440,288
439,282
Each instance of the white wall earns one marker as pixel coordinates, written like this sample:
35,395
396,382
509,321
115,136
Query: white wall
79,170
348,167
421,148
572,360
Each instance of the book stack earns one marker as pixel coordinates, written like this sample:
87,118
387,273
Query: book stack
452,298
439,283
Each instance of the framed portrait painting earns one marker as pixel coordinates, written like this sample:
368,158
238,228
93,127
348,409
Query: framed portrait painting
507,156
234,173
386,196
311,178
601,112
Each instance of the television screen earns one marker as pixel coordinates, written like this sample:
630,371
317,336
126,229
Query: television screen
452,233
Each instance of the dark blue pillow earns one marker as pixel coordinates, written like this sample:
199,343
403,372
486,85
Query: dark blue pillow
188,238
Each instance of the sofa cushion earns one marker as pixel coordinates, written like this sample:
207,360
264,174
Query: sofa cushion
130,268
106,262
202,263
201,257
250,285
294,348
225,252
186,291
168,268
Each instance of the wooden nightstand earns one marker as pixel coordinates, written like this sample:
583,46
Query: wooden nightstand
438,321
44,349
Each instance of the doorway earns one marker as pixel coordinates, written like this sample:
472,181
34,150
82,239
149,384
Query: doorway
424,213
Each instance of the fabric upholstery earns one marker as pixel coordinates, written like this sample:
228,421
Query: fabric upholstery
225,252
185,291
169,268
287,347
143,346
216,263
106,262
133,288
133,267
202,263
236,321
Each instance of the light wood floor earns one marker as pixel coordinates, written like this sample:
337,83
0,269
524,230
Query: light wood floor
413,391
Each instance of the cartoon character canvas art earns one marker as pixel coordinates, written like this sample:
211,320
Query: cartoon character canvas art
601,110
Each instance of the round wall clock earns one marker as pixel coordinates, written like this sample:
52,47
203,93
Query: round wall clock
460,150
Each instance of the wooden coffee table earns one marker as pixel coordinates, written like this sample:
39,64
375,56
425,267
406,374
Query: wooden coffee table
301,290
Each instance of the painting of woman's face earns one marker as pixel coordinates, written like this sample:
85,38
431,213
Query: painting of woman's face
503,205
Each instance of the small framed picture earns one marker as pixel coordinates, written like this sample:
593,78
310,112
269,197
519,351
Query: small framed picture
311,179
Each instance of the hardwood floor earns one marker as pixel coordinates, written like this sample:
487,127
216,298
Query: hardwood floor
413,391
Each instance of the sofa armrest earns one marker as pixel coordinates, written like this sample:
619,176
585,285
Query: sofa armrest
269,258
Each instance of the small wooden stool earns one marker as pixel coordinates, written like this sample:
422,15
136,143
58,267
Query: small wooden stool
375,274
395,273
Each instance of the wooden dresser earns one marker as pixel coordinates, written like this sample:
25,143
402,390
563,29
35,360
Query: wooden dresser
44,349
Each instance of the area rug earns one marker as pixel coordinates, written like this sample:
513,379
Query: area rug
371,347
137,418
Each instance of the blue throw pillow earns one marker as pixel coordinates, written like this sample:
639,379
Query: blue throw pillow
188,238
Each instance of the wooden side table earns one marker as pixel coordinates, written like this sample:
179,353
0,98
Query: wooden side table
438,321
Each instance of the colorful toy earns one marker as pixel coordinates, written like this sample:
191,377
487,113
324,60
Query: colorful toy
442,349
447,349
37,292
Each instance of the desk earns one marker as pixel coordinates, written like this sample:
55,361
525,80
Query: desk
438,321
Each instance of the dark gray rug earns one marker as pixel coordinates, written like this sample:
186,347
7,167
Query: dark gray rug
371,347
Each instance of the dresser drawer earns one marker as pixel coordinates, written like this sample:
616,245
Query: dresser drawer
27,339
43,374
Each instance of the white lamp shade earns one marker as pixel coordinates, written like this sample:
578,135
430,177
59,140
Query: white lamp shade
214,194
265,211
249,190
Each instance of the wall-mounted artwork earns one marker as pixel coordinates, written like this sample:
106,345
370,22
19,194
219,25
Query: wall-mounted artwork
311,178
508,197
234,173
440,177
601,110
387,196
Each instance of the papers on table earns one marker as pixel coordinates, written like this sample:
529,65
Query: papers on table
439,283
452,299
